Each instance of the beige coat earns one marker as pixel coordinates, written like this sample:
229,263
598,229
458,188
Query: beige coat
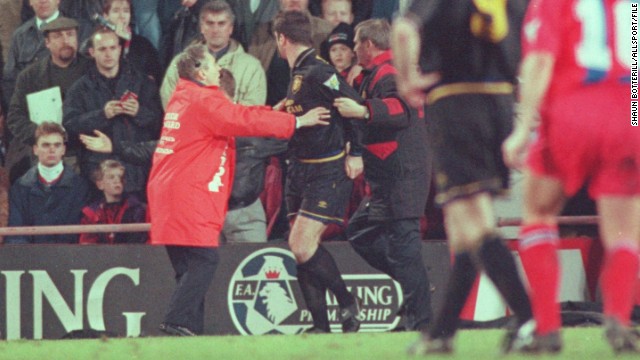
251,82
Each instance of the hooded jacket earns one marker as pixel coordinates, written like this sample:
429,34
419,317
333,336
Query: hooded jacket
193,165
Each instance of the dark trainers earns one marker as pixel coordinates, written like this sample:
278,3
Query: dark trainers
427,345
315,330
351,317
176,330
621,338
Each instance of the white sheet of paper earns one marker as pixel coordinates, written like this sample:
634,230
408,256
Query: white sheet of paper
45,105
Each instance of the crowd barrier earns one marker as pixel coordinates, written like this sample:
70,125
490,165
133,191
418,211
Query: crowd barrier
47,291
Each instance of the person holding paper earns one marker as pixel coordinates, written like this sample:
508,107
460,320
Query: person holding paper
61,69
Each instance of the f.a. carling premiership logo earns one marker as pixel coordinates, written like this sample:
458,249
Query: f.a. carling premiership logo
264,297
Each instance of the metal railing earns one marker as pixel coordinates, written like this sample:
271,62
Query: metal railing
142,227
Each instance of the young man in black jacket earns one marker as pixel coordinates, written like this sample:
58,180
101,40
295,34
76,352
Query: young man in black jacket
117,100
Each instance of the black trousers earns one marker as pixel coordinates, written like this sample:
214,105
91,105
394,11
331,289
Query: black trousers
194,268
394,247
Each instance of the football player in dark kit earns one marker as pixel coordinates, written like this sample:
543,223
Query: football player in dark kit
475,47
385,230
318,182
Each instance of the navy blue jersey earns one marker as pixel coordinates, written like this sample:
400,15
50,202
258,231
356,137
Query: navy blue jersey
316,83
471,40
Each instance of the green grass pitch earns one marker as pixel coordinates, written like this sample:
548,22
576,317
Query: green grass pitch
579,343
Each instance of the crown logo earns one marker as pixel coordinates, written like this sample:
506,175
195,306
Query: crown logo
272,274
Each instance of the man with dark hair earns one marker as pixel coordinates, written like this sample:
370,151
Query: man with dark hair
318,181
385,230
28,42
194,162
50,193
263,46
117,99
471,113
61,68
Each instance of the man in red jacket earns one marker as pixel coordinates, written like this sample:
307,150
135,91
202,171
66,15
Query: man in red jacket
191,178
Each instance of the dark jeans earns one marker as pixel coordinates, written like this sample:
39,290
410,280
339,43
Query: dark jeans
194,267
395,248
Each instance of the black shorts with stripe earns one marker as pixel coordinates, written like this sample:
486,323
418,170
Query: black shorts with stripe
318,189
468,131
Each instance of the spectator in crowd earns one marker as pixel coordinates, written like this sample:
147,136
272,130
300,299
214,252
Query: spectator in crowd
216,26
76,9
337,11
470,111
50,193
249,15
136,49
116,99
338,49
147,21
28,42
319,178
179,23
263,46
364,9
137,153
116,207
583,137
191,176
385,230
62,67
246,220
9,22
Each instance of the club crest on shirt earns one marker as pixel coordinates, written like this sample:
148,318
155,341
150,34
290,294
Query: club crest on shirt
333,83
296,84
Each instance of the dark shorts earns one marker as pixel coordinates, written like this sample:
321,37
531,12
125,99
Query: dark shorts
468,131
319,191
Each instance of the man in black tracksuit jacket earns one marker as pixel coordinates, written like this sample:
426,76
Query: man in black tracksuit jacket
385,230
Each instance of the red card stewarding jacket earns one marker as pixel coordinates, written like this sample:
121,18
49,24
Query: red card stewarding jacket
192,171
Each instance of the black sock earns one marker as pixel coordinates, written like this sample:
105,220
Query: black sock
315,295
322,267
500,267
463,275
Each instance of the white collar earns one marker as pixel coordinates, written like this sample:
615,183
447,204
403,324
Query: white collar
50,174
50,19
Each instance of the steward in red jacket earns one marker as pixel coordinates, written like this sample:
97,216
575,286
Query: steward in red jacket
191,178
193,165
